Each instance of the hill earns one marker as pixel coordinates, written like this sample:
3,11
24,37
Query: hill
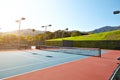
105,29
24,32
111,35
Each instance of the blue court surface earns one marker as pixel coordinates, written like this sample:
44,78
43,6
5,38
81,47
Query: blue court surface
19,62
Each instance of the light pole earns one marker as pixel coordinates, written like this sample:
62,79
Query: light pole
19,21
116,12
63,34
45,31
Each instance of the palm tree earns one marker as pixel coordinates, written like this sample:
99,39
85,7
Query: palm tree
33,30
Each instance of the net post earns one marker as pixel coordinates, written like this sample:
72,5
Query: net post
99,52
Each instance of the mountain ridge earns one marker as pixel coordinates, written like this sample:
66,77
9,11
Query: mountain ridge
30,31
105,29
24,32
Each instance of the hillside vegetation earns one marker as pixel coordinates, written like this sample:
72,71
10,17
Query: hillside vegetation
111,35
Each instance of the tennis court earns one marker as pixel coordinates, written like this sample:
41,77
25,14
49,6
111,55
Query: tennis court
14,63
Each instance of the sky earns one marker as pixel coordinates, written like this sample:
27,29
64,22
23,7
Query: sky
82,15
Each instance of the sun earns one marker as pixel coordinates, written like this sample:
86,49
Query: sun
11,10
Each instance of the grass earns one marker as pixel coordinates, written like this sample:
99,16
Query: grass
111,35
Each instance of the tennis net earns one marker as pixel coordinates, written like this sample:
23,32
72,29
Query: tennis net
73,50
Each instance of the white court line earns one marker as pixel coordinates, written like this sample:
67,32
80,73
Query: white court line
30,56
115,72
31,64
46,67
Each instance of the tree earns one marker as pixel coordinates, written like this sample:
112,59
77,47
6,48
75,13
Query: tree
76,33
29,39
23,39
9,38
49,35
33,36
